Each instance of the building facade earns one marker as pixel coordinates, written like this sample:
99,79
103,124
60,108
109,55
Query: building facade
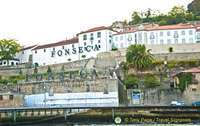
159,35
102,39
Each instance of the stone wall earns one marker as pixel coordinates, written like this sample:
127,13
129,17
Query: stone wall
16,100
155,97
77,86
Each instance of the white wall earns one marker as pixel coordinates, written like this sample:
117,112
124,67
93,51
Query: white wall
59,56
11,63
105,43
87,99
145,37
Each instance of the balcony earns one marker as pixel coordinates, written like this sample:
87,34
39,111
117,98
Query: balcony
129,39
175,35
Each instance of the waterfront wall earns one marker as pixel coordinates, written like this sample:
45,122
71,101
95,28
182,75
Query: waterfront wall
154,97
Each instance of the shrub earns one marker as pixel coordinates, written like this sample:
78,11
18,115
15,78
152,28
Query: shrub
183,78
35,70
4,81
22,77
36,64
49,70
20,71
15,81
151,82
114,49
170,49
83,56
69,59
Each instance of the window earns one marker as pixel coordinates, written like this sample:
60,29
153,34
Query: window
191,40
194,89
121,45
190,32
105,91
53,49
161,41
98,34
152,35
168,41
87,87
12,63
1,97
44,50
121,37
110,41
11,97
168,33
35,51
16,63
183,40
198,35
183,32
91,36
0,63
152,42
84,43
140,38
175,34
99,41
161,33
69,89
116,38
63,47
176,41
23,52
33,90
84,37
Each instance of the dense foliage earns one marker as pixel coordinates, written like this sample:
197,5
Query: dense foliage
139,56
141,81
8,49
178,14
184,79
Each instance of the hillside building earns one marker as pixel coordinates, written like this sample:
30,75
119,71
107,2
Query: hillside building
102,39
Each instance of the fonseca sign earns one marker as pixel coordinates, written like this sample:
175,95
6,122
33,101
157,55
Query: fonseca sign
83,74
88,48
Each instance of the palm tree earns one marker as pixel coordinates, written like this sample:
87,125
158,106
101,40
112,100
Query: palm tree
139,56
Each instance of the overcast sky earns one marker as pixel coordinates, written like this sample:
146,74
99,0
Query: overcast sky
48,21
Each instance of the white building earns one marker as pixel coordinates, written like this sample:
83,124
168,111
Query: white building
25,54
94,41
12,62
88,44
169,34
101,39
60,52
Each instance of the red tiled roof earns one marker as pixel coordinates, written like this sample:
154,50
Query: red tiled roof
95,29
64,42
195,70
169,27
27,48
128,31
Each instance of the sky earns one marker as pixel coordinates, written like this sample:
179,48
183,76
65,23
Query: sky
48,21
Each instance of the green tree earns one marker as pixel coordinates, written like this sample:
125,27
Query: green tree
170,49
161,23
8,49
49,70
189,17
139,56
136,18
194,6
